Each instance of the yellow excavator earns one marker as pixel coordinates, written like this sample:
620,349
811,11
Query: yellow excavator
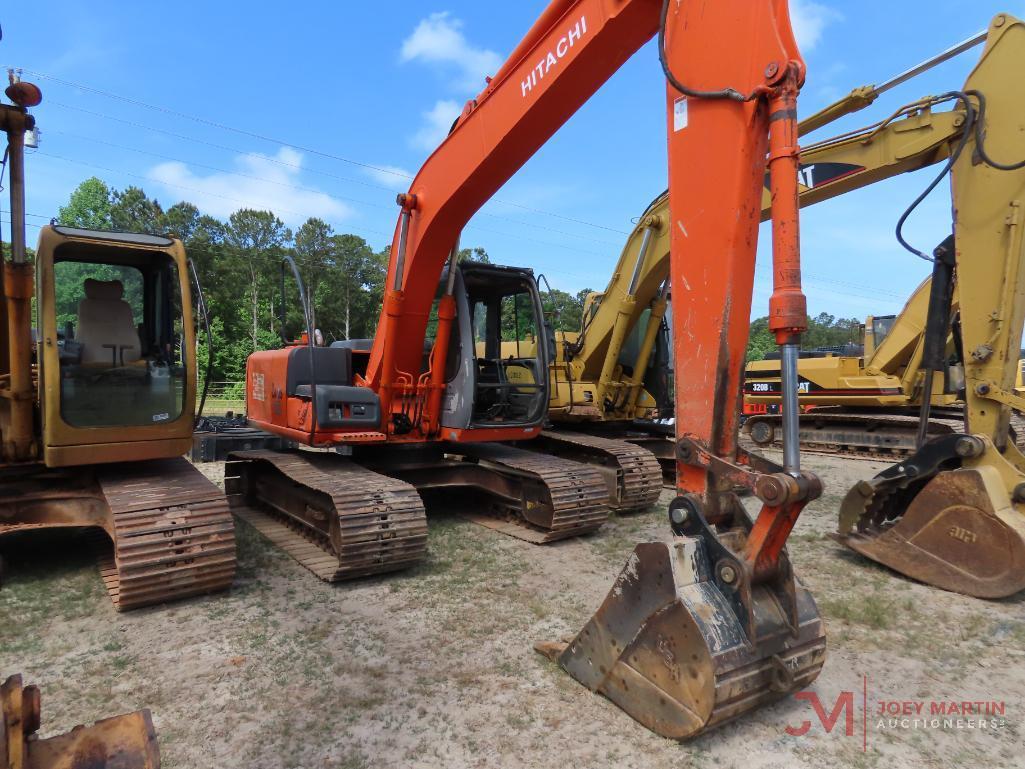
953,513
611,381
97,401
122,742
866,402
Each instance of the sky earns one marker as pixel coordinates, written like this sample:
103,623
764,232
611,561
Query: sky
328,108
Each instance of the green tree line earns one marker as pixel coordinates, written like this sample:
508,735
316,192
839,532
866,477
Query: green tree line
824,330
239,264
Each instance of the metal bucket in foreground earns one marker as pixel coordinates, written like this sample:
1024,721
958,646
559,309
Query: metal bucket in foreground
667,647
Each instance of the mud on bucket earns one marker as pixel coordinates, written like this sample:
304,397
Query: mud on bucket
667,647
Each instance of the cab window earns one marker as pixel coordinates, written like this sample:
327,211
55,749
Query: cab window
122,361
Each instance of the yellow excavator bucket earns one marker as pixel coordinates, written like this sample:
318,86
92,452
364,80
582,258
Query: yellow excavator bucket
945,517
669,647
122,742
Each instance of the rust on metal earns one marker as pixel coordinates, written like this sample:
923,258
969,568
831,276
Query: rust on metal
667,647
537,497
172,533
632,472
338,519
19,443
163,530
950,535
122,742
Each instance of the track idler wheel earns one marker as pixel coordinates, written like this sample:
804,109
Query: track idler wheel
762,433
667,647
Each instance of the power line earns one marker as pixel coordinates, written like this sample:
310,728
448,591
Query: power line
292,145
299,213
810,279
302,188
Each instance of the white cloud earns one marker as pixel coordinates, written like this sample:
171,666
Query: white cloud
437,123
393,177
439,39
809,19
261,182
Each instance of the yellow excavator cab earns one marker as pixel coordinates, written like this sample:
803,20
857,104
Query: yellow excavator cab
111,406
115,346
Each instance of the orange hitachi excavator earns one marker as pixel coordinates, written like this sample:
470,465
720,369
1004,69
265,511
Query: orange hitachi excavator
711,623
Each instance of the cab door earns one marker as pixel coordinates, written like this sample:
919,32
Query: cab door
116,346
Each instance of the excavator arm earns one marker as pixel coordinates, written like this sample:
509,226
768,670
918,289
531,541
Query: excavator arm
586,378
953,514
570,51
733,72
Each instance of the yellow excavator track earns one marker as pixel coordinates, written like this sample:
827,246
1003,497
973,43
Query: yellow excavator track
161,530
171,530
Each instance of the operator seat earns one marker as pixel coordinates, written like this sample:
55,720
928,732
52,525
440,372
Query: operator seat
106,325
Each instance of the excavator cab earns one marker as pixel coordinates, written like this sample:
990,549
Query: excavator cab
497,369
112,404
115,346
875,330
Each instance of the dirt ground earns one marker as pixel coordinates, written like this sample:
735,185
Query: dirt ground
434,667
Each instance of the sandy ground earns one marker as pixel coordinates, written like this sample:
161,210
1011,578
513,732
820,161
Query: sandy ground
435,668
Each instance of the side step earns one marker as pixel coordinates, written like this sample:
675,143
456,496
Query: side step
335,517
632,473
172,533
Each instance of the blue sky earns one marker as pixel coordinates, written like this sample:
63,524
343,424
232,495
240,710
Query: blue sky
366,90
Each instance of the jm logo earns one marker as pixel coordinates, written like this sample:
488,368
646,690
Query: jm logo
844,707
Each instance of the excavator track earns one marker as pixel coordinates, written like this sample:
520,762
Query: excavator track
172,532
1018,428
559,498
369,523
632,473
868,436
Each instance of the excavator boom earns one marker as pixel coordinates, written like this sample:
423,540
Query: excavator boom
952,514
733,74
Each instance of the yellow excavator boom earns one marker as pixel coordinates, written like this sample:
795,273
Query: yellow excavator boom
953,514
590,378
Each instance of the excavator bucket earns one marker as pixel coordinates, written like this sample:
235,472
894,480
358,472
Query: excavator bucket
123,742
953,527
668,647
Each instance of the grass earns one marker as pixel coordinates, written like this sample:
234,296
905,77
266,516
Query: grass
873,610
49,577
431,667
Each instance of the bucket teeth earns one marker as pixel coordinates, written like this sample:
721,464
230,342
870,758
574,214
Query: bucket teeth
666,646
958,532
